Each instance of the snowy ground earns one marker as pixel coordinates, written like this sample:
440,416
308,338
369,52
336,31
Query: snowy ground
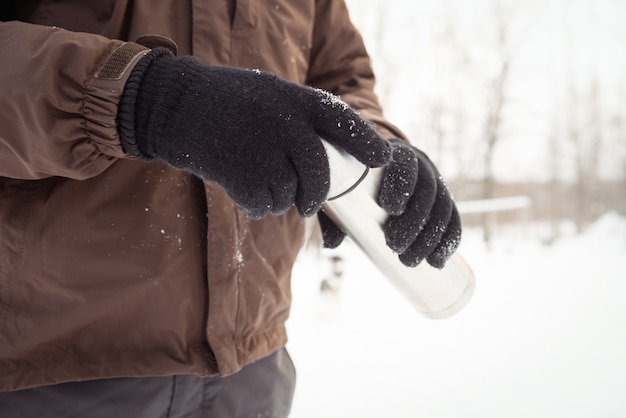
543,336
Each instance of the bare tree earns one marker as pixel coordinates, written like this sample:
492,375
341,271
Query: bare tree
447,109
595,142
585,134
555,210
497,101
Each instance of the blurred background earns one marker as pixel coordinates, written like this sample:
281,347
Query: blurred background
522,105
510,98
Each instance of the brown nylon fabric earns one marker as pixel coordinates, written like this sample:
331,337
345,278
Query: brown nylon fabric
112,267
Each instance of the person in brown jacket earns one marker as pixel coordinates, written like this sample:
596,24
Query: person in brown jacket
156,161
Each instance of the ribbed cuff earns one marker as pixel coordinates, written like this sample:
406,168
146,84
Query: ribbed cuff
126,114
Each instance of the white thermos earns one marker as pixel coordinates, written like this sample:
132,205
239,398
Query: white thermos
352,205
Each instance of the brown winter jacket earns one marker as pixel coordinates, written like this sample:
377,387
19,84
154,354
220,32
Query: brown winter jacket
114,267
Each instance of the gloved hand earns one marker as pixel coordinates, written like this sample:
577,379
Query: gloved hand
251,132
423,220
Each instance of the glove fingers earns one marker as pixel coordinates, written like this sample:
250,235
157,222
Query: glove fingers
259,196
313,174
283,189
449,242
402,230
332,236
399,180
452,237
339,124
433,232
255,203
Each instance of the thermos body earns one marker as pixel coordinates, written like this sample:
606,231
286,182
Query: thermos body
353,206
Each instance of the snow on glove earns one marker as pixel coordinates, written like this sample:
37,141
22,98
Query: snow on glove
424,222
251,132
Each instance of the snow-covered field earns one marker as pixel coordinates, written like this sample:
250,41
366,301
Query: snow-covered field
543,336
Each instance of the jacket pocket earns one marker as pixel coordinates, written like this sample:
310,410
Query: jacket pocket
19,229
16,197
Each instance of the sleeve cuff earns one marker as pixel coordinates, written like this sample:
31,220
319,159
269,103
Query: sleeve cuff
126,111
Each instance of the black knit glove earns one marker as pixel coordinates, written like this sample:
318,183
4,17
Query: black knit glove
424,222
332,235
251,132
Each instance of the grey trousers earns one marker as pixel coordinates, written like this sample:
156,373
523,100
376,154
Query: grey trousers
262,389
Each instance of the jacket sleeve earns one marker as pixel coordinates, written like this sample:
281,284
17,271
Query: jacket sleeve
60,92
340,64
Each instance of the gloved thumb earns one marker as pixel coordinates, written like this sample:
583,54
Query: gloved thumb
332,235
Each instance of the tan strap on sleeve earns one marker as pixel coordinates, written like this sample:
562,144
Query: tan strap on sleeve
119,60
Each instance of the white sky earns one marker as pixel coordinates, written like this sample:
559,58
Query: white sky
551,43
